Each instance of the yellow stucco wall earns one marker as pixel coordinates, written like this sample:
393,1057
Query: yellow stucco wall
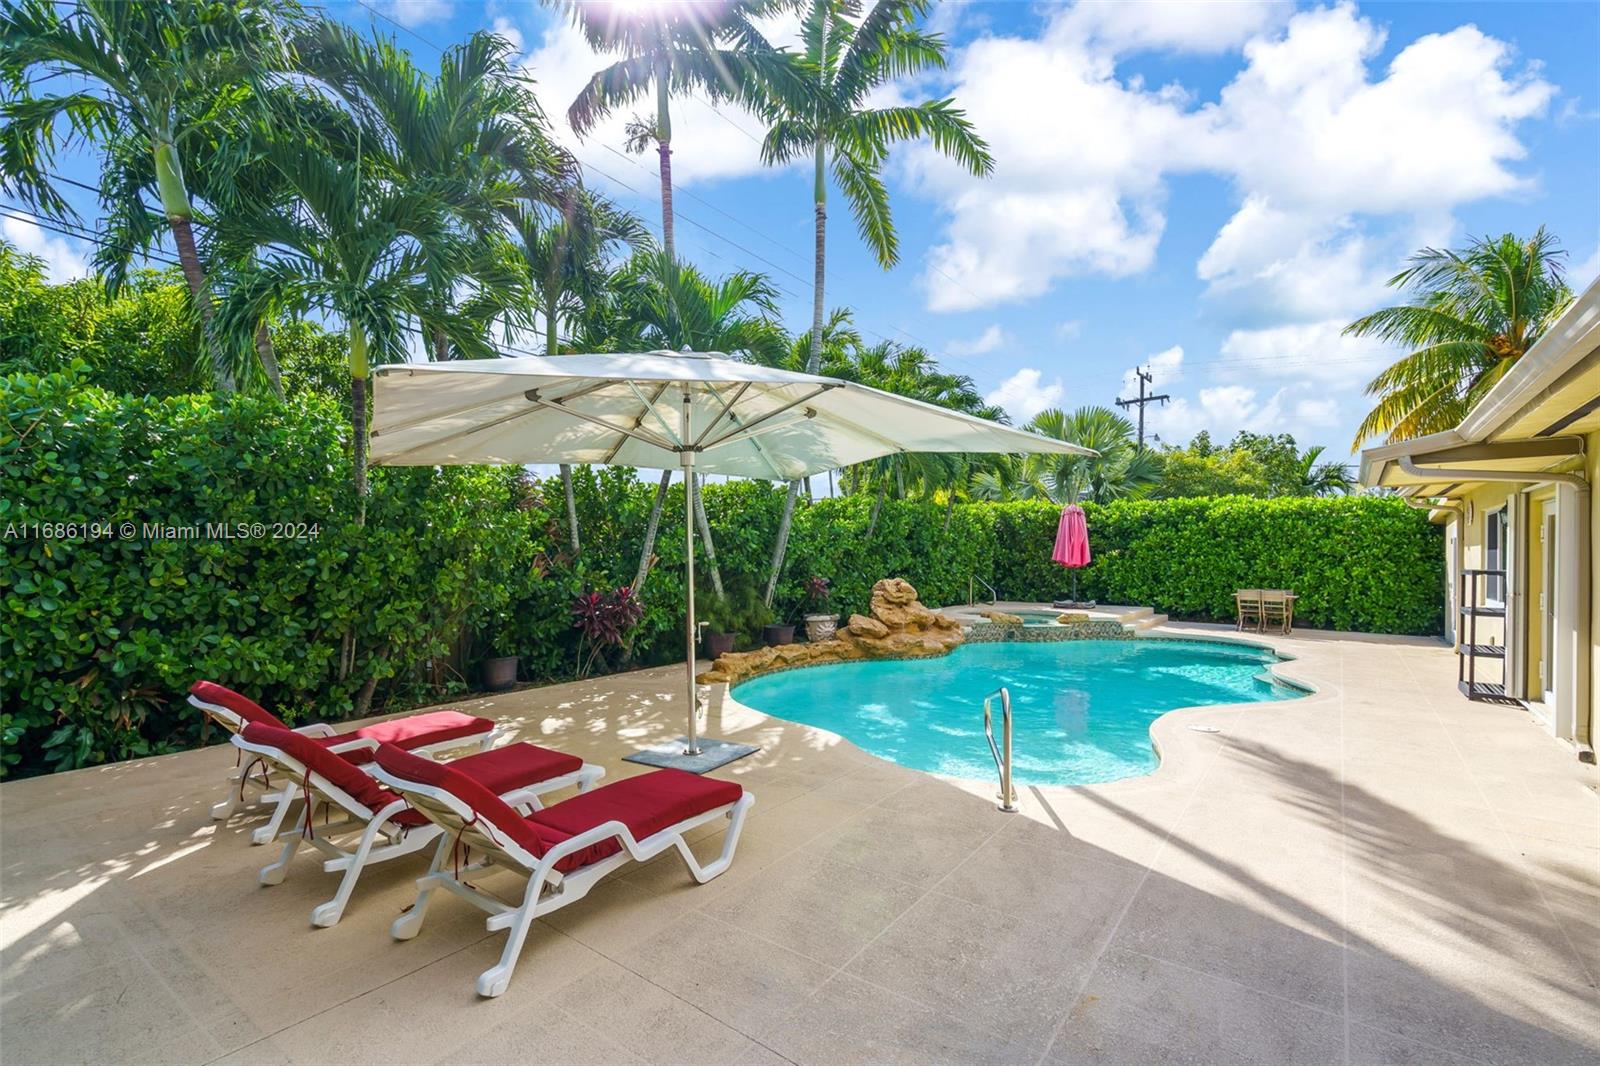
1589,732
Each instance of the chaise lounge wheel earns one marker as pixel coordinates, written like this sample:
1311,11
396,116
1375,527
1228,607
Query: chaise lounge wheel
328,914
407,925
494,981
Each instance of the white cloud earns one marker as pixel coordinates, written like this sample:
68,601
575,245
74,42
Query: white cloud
1312,352
1024,394
1324,412
1166,367
413,13
61,260
987,341
1267,261
1333,161
1583,274
1174,25
1069,330
1221,410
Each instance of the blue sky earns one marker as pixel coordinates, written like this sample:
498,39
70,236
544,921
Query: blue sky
1213,190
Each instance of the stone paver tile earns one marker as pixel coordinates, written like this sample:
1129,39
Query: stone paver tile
747,983
1273,933
816,907
1006,967
1139,1009
849,1022
647,1020
1469,1007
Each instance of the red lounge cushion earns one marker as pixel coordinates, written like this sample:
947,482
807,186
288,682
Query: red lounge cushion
315,756
243,706
485,805
645,804
516,766
420,730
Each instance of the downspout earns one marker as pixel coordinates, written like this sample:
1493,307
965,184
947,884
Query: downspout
1460,554
1580,485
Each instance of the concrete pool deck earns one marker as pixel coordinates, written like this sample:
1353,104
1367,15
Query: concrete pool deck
1380,872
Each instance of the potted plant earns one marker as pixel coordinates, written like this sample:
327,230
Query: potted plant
500,671
820,623
775,633
717,632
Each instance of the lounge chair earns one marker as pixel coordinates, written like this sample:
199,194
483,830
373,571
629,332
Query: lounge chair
515,775
429,732
563,850
1247,607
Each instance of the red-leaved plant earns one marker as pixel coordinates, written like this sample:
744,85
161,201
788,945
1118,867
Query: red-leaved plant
818,592
604,620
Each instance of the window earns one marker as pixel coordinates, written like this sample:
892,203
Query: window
1494,556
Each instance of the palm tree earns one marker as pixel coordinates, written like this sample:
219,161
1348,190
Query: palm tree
824,115
680,309
1471,316
157,72
566,263
679,46
1322,478
1121,468
364,241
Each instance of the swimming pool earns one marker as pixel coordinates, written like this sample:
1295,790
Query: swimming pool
1081,710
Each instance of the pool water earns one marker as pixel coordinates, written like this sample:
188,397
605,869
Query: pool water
1081,709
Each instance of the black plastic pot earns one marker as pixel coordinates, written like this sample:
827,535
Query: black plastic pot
500,673
718,644
774,635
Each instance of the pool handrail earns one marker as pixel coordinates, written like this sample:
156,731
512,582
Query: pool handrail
994,597
1008,794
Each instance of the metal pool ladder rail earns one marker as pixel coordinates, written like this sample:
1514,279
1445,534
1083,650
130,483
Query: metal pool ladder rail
972,581
1002,762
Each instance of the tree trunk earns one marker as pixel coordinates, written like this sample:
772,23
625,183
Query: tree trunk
949,511
813,358
572,505
877,508
650,532
550,348
664,150
441,345
358,418
269,359
705,533
175,205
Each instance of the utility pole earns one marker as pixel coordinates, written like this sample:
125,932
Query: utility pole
1145,378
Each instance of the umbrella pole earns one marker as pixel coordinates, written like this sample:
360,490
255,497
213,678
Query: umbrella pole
686,458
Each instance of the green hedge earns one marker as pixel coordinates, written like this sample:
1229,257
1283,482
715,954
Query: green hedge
102,634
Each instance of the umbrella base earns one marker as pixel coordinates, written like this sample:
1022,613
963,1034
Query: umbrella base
713,753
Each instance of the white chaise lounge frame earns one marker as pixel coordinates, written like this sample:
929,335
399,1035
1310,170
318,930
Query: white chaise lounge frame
283,799
461,825
398,841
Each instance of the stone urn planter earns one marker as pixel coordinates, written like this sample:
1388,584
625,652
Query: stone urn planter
776,634
717,644
500,673
821,627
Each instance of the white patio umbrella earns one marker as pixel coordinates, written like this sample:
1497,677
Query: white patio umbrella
660,410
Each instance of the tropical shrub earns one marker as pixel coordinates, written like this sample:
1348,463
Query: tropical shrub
154,541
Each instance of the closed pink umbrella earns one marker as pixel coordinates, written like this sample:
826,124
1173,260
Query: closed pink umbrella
1072,546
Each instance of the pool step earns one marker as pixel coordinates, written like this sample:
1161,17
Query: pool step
1142,619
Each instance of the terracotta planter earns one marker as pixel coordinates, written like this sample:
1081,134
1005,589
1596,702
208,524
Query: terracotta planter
717,645
821,627
500,673
774,635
